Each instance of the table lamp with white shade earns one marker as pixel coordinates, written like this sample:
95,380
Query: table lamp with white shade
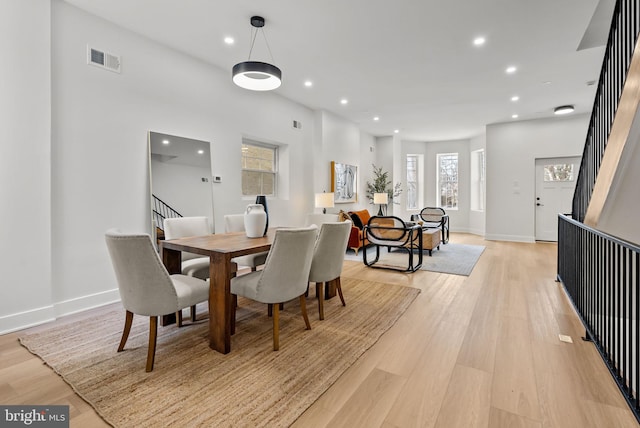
324,201
380,199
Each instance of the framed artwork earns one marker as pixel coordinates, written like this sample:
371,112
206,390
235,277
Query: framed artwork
344,182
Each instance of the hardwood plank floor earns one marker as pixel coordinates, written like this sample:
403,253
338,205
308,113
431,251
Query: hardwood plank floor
476,351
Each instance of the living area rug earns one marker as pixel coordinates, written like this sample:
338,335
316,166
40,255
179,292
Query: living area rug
192,385
457,259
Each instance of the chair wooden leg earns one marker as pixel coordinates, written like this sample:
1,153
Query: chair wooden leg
339,287
276,327
303,309
127,328
270,310
193,313
153,334
179,318
234,305
320,295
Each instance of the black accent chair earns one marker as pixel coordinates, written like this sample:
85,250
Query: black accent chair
393,232
432,218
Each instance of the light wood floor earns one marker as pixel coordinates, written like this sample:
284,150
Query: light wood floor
476,351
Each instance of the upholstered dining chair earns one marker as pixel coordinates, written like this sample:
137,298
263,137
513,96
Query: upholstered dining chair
183,227
146,288
235,223
284,276
328,257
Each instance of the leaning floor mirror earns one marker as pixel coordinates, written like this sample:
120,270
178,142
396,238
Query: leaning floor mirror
180,174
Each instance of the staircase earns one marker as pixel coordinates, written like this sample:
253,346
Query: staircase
601,273
160,211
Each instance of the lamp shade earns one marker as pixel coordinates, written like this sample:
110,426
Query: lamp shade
380,198
257,76
324,200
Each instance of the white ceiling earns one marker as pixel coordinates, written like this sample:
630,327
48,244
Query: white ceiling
410,62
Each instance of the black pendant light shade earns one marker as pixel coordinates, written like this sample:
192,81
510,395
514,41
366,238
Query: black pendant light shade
256,75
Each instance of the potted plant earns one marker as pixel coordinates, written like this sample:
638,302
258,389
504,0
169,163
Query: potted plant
382,184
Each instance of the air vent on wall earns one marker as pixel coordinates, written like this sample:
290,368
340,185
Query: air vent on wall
297,124
103,59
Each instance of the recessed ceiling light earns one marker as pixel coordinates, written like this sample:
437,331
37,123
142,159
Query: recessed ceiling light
308,83
514,116
229,40
165,142
376,118
511,69
515,98
563,109
344,101
479,41
200,151
396,131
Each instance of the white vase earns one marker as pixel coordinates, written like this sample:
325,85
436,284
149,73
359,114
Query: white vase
255,220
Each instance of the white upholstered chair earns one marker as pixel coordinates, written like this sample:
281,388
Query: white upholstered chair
283,278
328,257
235,223
182,227
145,286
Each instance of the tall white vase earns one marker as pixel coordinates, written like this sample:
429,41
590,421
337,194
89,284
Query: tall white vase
255,220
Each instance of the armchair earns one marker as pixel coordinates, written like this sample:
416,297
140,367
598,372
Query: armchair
435,217
357,238
392,232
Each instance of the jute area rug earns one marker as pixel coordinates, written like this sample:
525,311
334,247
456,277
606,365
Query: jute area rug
192,385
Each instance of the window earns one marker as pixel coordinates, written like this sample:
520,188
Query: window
559,172
259,168
447,180
412,182
477,180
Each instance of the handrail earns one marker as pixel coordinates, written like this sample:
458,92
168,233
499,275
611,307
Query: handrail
623,36
162,210
601,275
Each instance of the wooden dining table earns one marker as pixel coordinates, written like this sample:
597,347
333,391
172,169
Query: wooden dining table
220,248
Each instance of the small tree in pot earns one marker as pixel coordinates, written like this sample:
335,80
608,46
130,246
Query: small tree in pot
382,184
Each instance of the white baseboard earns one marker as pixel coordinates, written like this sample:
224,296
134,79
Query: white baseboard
79,304
26,319
511,238
34,317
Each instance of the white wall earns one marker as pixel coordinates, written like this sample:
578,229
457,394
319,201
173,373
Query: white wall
98,164
25,154
512,149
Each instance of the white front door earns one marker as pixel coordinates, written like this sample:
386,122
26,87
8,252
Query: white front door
555,183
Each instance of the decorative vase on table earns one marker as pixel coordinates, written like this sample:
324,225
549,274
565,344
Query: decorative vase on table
262,200
255,220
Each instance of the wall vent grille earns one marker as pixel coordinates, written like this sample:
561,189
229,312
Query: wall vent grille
103,59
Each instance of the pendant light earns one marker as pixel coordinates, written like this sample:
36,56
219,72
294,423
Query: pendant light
256,75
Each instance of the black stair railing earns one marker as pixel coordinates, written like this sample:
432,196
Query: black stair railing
162,210
601,275
623,36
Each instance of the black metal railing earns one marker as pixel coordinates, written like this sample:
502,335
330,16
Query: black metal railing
162,210
601,275
623,36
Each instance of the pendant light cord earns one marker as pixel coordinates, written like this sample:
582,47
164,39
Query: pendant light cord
253,41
